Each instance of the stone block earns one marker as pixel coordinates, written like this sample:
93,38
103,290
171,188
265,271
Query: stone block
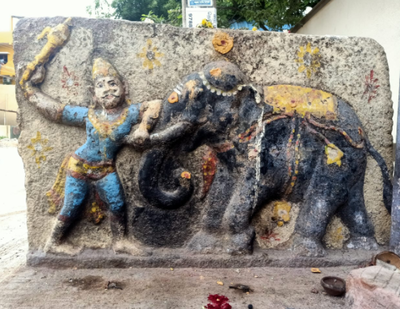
264,145
373,287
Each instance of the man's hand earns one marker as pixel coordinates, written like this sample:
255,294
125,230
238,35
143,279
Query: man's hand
140,138
150,111
29,87
38,75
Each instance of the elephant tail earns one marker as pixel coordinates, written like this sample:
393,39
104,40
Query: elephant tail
387,183
149,176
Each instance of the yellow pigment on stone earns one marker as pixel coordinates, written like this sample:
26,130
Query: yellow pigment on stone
281,212
333,154
302,100
56,37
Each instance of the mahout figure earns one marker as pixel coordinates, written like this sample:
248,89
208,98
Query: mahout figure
108,124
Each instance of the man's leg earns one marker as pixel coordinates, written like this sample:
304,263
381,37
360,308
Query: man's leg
110,191
75,192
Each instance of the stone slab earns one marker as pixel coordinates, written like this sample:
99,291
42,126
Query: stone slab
347,67
180,258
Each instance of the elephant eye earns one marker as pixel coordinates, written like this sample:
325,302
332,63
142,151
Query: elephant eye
173,97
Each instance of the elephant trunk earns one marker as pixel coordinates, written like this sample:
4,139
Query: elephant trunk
149,175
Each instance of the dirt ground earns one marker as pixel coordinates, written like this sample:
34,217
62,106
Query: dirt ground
273,288
13,233
161,288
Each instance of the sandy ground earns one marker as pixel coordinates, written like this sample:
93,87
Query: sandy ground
185,288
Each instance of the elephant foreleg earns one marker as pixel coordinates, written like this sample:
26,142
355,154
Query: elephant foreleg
207,240
238,215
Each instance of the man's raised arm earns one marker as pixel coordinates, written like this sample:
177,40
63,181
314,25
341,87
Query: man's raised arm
49,107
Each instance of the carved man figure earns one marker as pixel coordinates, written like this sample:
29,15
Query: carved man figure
108,124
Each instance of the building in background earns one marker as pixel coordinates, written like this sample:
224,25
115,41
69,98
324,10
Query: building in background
244,25
8,102
363,18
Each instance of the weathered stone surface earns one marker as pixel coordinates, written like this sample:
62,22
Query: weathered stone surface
350,68
373,287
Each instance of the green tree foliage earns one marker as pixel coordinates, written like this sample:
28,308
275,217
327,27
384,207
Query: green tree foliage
272,14
158,10
100,9
174,17
134,9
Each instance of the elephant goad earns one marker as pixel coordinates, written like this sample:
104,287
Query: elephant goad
280,143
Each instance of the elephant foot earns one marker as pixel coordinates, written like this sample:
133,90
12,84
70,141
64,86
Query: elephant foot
396,249
241,243
205,243
362,242
305,246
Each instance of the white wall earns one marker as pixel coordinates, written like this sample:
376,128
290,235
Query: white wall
4,131
377,19
8,102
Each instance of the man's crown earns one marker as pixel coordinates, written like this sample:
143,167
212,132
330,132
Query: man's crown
102,68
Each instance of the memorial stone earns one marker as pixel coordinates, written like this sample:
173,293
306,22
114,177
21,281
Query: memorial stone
150,145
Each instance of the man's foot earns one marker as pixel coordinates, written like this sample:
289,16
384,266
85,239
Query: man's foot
50,246
124,246
53,244
55,247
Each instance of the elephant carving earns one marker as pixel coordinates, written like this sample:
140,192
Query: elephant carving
272,143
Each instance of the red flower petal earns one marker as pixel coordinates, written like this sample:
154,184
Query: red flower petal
218,299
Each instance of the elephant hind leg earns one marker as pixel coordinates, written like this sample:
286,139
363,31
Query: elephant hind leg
355,217
322,200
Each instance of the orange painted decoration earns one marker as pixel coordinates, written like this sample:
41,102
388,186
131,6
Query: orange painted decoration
249,134
216,72
222,42
173,98
209,169
186,175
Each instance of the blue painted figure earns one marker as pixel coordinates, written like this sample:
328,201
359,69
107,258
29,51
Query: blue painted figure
108,125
